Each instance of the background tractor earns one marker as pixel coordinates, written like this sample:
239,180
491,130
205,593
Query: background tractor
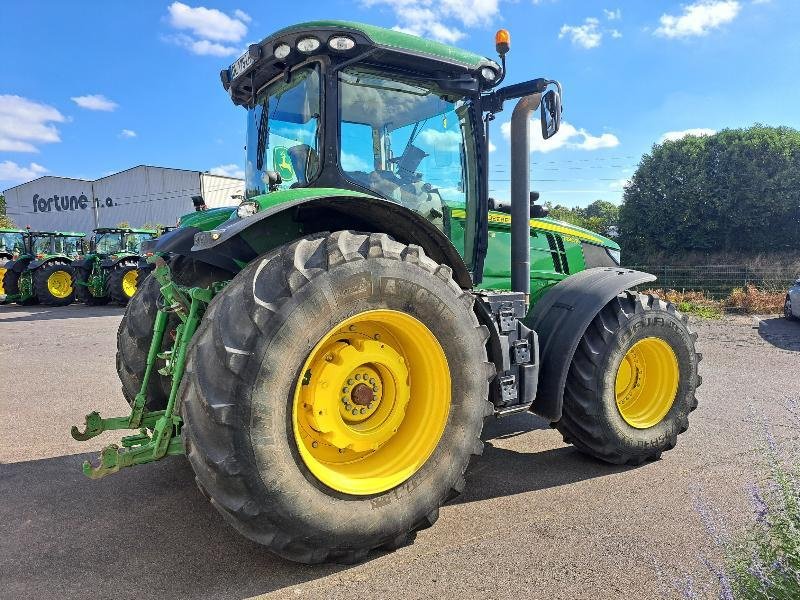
42,273
11,246
110,270
327,354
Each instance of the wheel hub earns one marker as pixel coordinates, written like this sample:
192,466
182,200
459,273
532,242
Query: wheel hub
59,284
647,382
372,402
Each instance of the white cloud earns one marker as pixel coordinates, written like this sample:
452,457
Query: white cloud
127,133
677,135
433,18
441,140
492,147
95,102
229,170
619,185
24,123
210,29
208,23
612,15
568,137
242,16
11,171
616,34
586,36
698,18
353,162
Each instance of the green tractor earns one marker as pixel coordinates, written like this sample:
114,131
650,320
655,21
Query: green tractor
42,273
110,270
12,244
326,356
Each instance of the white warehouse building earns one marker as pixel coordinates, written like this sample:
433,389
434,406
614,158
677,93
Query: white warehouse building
138,196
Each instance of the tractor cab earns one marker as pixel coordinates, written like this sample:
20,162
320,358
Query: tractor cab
108,241
44,244
357,108
12,243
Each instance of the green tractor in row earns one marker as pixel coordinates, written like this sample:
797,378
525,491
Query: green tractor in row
110,270
42,271
12,244
326,356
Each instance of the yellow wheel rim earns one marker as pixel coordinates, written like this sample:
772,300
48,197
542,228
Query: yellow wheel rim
647,382
2,276
129,281
372,402
59,284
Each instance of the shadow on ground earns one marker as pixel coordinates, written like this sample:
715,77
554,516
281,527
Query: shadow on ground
147,532
781,333
11,313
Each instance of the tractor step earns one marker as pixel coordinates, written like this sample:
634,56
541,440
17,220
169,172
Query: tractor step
512,410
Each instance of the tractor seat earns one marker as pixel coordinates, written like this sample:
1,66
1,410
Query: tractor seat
305,160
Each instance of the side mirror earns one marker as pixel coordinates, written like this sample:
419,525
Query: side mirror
551,114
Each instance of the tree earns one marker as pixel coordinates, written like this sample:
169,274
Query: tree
600,216
5,220
735,191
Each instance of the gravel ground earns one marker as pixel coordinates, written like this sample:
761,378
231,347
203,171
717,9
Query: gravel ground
537,520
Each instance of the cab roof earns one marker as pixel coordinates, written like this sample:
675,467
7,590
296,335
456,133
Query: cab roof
57,233
376,45
124,230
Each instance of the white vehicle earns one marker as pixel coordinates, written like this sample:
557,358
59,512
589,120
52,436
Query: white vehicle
791,308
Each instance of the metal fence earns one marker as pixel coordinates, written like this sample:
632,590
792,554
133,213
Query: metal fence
717,281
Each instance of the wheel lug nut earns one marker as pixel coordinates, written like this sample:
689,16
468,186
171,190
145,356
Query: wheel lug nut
363,410
329,357
377,336
372,381
355,411
314,444
358,376
374,388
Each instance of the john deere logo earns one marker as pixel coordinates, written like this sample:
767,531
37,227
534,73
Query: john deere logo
280,159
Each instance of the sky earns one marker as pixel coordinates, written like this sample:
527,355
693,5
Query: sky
91,88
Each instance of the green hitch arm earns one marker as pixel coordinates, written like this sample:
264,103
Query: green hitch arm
139,402
168,423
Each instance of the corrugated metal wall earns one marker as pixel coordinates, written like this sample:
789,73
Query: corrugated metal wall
217,190
52,203
145,196
139,196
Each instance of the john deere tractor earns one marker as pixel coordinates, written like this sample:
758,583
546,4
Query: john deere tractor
327,355
11,246
42,273
110,270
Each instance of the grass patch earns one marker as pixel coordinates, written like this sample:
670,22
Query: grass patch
749,299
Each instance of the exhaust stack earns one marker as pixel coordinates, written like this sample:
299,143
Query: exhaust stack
520,194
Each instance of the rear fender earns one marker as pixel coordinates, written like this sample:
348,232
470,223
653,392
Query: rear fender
56,260
237,242
560,319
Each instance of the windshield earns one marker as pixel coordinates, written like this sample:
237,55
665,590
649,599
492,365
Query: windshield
41,245
283,132
71,246
11,243
108,243
405,142
133,241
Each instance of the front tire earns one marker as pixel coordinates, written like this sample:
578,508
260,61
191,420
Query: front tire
122,282
82,293
53,285
267,378
631,384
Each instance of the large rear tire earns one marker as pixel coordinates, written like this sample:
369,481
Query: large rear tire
632,381
277,368
54,285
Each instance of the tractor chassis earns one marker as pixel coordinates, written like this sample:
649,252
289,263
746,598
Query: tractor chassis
158,431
